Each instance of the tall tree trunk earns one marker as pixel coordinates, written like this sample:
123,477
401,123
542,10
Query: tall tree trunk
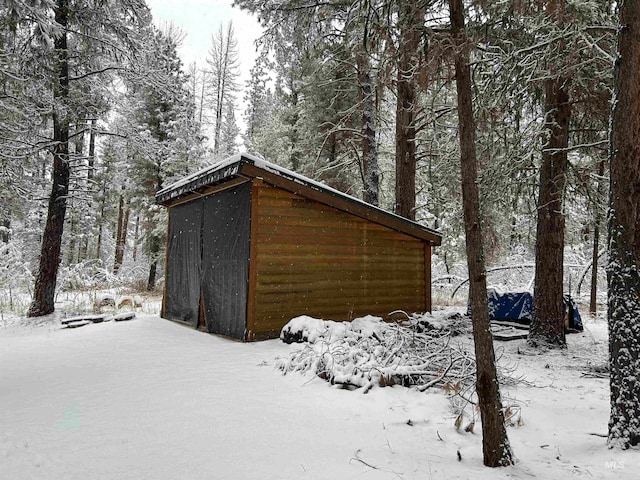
101,220
226,51
294,136
623,276
202,93
410,19
547,322
76,162
72,206
121,234
73,234
218,129
118,230
81,125
219,107
125,228
45,285
84,248
370,171
99,239
5,229
92,150
154,249
593,297
495,443
593,300
91,169
135,239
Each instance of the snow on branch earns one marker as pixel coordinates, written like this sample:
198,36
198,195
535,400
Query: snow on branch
495,269
369,352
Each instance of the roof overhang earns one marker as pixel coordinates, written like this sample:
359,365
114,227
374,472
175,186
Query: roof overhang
246,166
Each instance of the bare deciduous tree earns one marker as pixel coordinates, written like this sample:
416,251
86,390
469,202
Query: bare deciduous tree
223,74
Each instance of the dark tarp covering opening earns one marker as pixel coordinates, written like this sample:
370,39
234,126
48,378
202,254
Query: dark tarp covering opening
514,306
225,260
517,307
183,263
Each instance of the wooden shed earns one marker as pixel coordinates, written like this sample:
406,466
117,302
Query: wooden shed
251,245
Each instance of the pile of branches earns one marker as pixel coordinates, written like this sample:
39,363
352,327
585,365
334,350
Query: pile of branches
369,352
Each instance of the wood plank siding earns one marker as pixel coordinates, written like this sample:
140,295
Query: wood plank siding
252,245
310,258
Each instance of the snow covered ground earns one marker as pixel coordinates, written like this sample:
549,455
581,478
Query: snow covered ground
151,399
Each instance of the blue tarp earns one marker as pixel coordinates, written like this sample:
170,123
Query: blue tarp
517,306
575,321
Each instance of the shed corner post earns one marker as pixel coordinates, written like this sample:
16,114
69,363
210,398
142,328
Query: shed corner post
427,276
163,308
250,327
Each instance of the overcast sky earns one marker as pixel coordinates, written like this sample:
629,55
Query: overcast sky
199,19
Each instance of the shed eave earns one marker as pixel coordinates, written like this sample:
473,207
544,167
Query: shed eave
199,180
250,166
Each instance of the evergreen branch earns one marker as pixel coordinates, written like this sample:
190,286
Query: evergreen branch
98,72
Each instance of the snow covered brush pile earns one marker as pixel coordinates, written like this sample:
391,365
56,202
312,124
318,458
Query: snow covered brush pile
368,352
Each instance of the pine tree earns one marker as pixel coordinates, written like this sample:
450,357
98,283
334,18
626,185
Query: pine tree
327,89
163,139
108,182
547,319
44,290
230,132
366,86
70,61
495,443
259,100
623,274
410,25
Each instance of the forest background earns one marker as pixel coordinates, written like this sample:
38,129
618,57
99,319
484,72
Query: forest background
359,95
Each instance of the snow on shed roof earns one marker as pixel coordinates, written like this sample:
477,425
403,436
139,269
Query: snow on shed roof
235,166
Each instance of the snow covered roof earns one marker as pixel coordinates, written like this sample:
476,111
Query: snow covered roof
249,166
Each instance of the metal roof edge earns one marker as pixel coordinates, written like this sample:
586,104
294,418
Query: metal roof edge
233,166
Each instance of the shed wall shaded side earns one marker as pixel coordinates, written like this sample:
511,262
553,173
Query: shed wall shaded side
225,260
316,260
183,265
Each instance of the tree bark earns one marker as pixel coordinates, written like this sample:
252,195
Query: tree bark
410,19
294,136
593,300
135,238
92,150
80,126
547,320
45,285
73,233
154,249
100,224
495,443
76,239
202,94
593,297
121,234
623,277
5,230
225,63
83,249
370,172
